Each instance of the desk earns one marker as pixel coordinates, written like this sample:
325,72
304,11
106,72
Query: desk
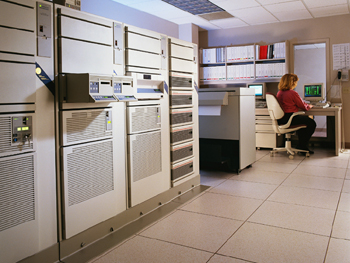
331,111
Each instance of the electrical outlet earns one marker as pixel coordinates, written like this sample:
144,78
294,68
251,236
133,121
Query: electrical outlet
346,90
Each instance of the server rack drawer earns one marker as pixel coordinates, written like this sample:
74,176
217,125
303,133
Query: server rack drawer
181,151
181,116
182,169
181,99
181,134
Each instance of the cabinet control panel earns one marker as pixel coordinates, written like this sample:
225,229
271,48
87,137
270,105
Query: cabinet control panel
22,130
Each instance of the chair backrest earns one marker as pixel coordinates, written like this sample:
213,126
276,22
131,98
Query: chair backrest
275,110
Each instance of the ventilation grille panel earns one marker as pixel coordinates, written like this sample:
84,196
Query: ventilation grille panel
181,152
144,119
181,99
17,196
178,82
89,171
87,125
146,155
6,138
181,117
179,171
180,135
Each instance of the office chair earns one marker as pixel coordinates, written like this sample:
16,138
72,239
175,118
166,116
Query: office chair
276,112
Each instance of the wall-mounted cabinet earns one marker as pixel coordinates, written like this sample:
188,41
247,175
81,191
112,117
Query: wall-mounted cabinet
241,64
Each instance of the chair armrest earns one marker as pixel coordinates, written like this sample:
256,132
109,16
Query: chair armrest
286,126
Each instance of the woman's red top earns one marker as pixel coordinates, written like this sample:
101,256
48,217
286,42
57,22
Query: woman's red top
291,101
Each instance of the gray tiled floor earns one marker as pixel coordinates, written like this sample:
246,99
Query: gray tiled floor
280,210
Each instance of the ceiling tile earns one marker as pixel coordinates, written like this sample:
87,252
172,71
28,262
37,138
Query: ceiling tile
319,3
195,20
288,6
238,4
269,2
254,15
128,2
330,10
291,16
229,23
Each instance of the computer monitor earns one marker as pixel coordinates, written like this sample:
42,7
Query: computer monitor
314,92
260,89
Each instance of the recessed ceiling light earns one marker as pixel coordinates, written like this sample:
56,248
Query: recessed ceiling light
197,7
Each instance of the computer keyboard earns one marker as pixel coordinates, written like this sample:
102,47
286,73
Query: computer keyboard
321,105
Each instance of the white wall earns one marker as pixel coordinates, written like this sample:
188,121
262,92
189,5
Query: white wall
130,16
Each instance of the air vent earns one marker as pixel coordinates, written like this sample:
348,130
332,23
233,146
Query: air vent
146,155
216,15
89,171
17,197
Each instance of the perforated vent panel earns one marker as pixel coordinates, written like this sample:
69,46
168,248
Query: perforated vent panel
146,155
17,198
181,135
5,138
176,100
182,170
180,117
89,171
87,125
181,152
144,118
178,82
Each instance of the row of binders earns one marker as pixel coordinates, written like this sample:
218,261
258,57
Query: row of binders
271,70
213,55
234,72
242,53
274,51
243,72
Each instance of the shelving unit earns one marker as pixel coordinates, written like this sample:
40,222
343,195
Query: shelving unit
243,64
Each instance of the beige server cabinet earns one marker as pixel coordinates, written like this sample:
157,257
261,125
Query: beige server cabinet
92,131
148,117
183,103
27,142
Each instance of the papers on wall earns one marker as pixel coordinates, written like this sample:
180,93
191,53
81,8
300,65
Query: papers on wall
341,56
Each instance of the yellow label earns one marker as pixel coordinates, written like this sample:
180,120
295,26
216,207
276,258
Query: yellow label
38,70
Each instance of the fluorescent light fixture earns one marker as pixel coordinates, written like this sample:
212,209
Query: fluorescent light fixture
197,7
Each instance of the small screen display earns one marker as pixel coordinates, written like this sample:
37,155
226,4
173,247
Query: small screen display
313,91
258,89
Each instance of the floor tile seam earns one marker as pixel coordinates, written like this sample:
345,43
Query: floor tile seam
339,238
216,216
318,176
333,222
339,198
246,260
303,205
290,229
177,244
240,180
246,197
245,221
303,187
240,196
112,249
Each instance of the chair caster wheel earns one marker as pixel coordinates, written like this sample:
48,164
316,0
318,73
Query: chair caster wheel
271,154
307,154
291,157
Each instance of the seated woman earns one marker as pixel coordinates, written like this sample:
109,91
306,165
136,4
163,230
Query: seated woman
291,102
